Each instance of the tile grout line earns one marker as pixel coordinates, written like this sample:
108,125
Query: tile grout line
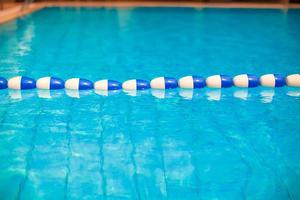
101,155
161,153
69,154
29,154
132,153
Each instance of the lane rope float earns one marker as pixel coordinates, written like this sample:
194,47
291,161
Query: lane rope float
160,83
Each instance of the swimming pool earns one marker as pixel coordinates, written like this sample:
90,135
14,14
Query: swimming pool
175,144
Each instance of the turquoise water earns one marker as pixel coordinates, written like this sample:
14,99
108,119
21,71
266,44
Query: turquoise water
203,144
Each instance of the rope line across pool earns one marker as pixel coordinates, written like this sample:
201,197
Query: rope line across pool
187,82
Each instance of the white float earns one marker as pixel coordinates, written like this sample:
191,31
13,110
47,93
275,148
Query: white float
130,85
186,82
101,85
293,80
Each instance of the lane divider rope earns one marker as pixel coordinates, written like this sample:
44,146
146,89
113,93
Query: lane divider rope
187,82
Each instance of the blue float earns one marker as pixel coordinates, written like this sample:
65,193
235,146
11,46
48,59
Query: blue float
56,83
226,81
279,80
170,83
113,85
3,83
142,84
199,82
85,84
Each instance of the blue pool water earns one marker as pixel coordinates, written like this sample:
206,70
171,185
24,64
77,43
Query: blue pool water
179,144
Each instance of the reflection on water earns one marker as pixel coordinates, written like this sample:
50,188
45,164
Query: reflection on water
123,17
15,94
191,94
44,94
19,45
106,92
24,45
135,93
162,94
78,93
186,93
73,93
265,95
20,94
241,94
214,95
48,94
293,93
